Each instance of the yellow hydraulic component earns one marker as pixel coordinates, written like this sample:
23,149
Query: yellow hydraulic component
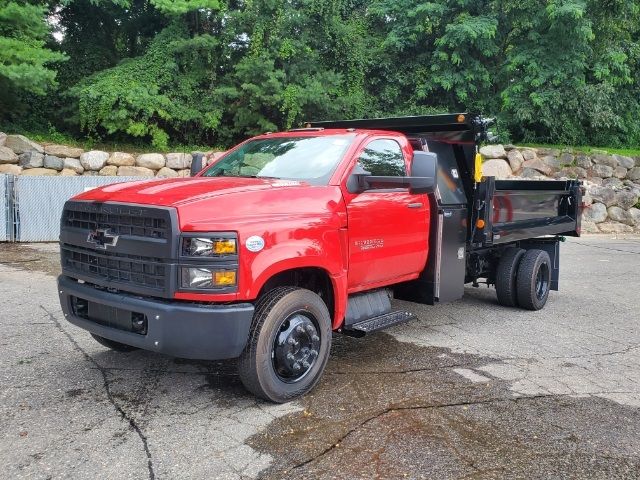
477,169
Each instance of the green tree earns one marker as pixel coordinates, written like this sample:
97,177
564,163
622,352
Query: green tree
219,75
25,62
153,95
215,71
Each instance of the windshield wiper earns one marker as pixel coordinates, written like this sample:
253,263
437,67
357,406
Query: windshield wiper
255,176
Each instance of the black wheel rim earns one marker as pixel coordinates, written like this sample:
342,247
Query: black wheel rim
542,281
296,347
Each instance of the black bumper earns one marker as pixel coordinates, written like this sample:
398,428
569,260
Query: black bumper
185,330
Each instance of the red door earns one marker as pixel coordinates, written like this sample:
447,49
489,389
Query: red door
388,229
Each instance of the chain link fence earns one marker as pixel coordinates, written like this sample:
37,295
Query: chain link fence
31,207
5,209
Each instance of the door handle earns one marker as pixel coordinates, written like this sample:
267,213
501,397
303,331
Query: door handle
415,205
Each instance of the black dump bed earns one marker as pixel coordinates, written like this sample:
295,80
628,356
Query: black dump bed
496,211
521,209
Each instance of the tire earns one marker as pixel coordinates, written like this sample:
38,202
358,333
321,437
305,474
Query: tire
265,366
534,279
117,346
506,276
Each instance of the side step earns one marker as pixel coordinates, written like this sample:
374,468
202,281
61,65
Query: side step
380,322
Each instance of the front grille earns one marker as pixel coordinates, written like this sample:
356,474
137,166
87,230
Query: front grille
148,272
121,246
139,222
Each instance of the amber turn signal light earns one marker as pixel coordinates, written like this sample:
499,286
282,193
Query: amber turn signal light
224,246
224,278
480,223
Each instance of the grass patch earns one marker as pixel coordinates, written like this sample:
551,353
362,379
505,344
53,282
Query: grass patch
113,146
627,152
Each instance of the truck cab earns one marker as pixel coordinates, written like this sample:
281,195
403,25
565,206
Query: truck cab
291,236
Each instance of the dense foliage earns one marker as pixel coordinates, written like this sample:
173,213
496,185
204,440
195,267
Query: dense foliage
25,63
214,71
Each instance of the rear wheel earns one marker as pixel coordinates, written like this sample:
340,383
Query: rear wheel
117,346
506,276
288,345
534,279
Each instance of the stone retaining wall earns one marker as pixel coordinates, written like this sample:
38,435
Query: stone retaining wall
612,181
21,156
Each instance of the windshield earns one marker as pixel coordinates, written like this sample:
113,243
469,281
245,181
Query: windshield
312,159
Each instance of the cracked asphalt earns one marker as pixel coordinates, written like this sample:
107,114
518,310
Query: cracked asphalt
470,390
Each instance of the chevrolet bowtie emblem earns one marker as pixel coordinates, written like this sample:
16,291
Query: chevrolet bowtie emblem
102,238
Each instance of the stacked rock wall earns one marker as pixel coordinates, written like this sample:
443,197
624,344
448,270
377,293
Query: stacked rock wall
21,156
612,182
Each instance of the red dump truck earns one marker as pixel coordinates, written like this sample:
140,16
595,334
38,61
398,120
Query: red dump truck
291,236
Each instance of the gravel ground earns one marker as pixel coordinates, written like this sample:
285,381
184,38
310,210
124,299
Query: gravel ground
470,390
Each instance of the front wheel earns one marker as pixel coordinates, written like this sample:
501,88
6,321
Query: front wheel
288,344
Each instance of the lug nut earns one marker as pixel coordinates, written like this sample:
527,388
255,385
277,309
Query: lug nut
292,341
305,364
300,329
296,366
290,356
315,338
310,329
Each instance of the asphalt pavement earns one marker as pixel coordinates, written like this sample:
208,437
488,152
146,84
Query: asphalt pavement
470,390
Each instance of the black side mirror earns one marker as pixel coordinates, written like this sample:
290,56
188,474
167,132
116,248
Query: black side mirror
424,164
197,163
424,169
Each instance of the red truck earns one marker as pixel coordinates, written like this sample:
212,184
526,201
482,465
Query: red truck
291,236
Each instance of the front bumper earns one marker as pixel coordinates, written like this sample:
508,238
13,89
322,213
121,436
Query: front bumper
185,330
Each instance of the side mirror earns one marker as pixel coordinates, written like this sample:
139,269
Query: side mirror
197,163
424,164
424,169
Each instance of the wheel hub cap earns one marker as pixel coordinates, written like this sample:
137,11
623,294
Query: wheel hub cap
542,281
295,348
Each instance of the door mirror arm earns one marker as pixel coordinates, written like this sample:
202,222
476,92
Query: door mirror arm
361,182
356,183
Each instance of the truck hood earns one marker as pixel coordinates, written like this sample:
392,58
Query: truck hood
177,191
226,203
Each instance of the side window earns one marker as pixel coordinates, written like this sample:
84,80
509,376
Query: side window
383,158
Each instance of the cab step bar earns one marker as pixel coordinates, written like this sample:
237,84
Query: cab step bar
379,322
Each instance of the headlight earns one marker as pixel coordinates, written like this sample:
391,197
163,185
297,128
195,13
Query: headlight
203,278
208,247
